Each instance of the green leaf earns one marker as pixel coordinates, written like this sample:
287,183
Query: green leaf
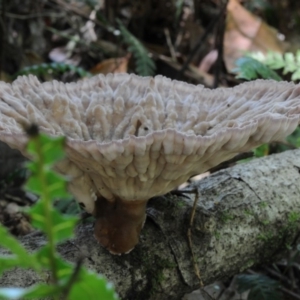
52,148
93,287
20,257
274,60
145,66
296,75
67,206
261,287
9,242
62,226
12,261
87,285
64,268
56,185
298,56
250,68
262,150
290,64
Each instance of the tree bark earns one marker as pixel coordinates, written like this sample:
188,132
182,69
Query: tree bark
246,215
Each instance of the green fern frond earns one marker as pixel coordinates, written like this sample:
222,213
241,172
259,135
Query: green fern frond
145,66
261,287
289,62
249,68
52,68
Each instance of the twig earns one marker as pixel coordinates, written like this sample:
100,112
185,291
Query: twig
111,8
293,279
73,38
290,293
182,192
77,11
200,42
72,279
33,16
170,45
219,45
284,143
277,275
2,36
189,234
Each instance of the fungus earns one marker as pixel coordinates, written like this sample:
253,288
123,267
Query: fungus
131,138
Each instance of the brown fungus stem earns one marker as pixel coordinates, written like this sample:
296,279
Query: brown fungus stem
119,223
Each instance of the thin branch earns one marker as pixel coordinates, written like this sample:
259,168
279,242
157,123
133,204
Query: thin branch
72,279
77,11
34,16
170,45
2,36
189,234
290,293
220,45
201,41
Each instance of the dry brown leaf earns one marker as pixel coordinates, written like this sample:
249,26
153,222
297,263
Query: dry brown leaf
246,32
112,65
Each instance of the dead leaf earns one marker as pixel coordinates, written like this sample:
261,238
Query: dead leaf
112,65
246,32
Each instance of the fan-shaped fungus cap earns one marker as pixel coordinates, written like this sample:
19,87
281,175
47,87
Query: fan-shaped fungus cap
132,138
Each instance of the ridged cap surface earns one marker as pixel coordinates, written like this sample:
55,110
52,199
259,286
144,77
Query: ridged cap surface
135,138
